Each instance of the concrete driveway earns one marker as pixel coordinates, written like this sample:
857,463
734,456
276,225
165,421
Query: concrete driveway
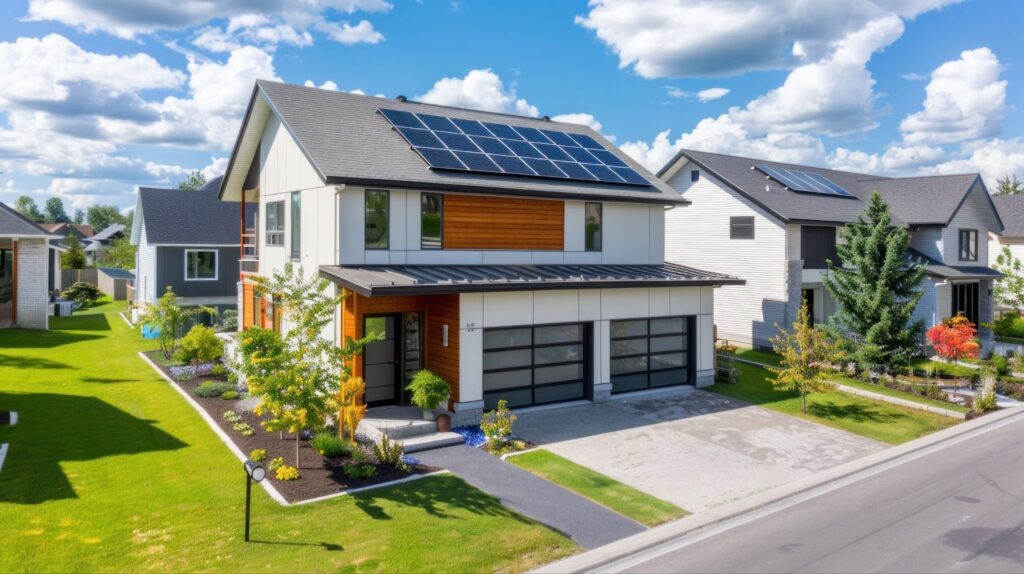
691,447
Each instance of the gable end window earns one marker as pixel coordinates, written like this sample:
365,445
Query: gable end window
296,235
200,265
377,214
431,221
968,245
741,227
695,175
592,226
275,223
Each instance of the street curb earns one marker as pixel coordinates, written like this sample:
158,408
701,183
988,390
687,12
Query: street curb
593,559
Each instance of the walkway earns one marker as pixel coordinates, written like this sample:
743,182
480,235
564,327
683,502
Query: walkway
589,524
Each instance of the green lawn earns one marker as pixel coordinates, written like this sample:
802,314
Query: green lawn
110,470
874,419
957,370
765,357
603,490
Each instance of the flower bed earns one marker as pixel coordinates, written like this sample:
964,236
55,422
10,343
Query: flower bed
319,475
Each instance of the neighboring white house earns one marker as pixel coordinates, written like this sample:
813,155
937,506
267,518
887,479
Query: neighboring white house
98,244
520,258
776,225
25,260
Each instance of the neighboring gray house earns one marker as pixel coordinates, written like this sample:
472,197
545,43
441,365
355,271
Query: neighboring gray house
96,245
25,260
776,224
188,241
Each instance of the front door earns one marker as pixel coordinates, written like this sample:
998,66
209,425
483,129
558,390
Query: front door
381,364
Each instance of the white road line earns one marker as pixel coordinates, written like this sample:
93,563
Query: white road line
688,540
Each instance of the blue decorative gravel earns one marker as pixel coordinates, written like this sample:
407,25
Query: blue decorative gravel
410,460
472,433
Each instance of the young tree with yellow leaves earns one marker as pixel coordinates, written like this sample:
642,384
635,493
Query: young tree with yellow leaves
807,355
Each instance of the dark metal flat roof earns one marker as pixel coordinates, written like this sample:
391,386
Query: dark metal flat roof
936,268
373,280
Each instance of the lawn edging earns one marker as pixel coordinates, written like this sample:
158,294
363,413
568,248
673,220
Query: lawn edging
3,454
604,555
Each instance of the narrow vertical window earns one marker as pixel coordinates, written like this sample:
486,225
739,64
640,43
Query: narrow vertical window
377,219
592,226
275,223
968,245
296,233
431,221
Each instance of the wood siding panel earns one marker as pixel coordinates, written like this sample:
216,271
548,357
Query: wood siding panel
480,222
437,311
247,296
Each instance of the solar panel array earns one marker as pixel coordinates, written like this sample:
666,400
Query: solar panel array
804,181
485,147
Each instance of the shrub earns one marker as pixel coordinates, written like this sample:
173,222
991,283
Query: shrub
200,345
389,452
1001,364
727,348
231,416
229,320
219,370
1010,324
350,404
287,473
330,445
244,429
81,293
276,464
258,455
233,378
261,349
497,424
230,395
428,389
360,470
210,389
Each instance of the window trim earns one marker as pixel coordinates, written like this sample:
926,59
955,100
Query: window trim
295,230
734,221
216,264
387,219
600,227
280,230
968,232
440,230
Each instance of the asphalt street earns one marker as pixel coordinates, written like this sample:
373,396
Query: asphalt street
956,507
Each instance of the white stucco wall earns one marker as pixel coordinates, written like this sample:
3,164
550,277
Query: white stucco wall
33,283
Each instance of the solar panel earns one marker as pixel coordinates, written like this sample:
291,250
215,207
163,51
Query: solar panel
488,147
804,181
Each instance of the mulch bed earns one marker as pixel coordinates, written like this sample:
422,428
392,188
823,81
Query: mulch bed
321,476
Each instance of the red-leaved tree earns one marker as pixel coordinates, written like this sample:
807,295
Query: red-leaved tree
955,339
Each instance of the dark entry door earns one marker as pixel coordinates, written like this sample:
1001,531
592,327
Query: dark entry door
381,362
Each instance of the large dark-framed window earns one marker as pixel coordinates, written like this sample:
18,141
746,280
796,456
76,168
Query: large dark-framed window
741,227
592,226
200,265
296,234
535,365
378,208
965,301
431,221
968,245
275,223
648,353
818,246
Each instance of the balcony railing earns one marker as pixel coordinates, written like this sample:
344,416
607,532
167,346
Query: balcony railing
249,266
250,262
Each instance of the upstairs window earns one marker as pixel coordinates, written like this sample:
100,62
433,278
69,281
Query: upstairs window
968,245
431,220
592,226
296,243
275,223
200,265
741,227
695,175
818,246
377,213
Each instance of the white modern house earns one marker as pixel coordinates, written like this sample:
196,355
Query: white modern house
520,258
777,224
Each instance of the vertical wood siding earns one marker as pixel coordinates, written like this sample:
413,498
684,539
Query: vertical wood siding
481,222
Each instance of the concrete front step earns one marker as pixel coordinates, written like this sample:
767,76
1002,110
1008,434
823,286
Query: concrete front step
398,422
431,441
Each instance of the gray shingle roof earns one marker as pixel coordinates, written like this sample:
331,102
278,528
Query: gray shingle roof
348,142
108,232
176,217
929,200
423,279
1011,211
13,223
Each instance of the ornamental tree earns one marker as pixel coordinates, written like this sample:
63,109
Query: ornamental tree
1009,291
807,356
168,319
955,339
877,287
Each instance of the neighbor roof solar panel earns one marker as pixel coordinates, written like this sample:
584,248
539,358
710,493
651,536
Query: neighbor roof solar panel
804,181
489,147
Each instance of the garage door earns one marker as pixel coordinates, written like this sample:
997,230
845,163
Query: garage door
648,353
535,365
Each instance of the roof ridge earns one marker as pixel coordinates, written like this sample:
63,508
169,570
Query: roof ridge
22,217
781,163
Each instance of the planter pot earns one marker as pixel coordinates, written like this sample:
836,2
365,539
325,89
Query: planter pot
428,414
444,423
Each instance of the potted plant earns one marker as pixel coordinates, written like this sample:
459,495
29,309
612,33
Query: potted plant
429,391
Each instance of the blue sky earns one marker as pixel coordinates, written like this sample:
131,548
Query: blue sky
95,101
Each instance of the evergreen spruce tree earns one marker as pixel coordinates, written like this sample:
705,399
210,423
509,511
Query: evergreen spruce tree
877,288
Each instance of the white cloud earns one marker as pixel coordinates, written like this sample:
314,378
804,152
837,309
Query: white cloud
711,94
965,99
579,118
676,92
345,33
914,77
896,160
676,38
993,159
216,167
481,90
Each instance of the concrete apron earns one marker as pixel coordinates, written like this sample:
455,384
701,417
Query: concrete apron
598,557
